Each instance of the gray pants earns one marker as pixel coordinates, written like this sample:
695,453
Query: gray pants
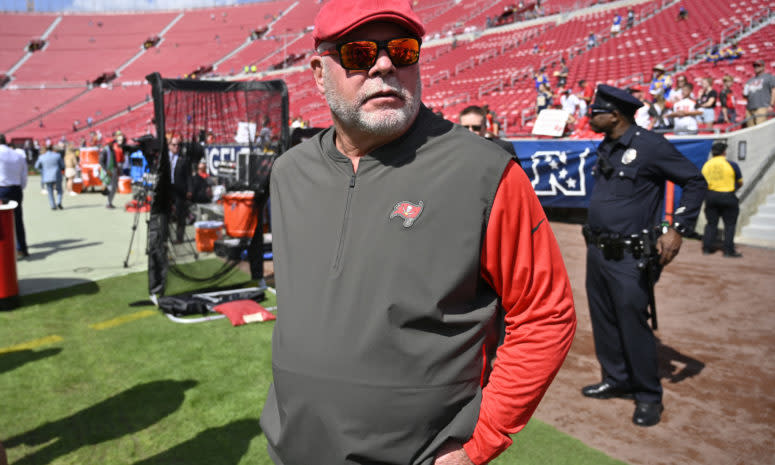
112,186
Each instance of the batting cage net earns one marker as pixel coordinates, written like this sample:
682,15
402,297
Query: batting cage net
217,142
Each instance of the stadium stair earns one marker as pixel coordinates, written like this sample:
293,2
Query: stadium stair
761,226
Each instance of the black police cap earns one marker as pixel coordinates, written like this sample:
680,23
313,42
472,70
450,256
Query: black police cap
609,98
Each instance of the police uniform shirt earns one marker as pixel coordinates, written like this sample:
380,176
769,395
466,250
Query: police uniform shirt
627,196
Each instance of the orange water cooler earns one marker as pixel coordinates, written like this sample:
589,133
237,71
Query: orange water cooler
9,283
124,185
207,232
90,167
238,215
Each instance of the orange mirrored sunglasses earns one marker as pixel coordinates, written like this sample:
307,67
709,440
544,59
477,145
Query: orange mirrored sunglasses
360,55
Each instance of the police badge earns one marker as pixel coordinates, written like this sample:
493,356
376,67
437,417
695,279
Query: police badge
629,156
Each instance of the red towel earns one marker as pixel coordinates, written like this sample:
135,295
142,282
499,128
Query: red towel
240,312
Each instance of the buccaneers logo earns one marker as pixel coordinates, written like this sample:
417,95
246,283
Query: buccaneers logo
408,211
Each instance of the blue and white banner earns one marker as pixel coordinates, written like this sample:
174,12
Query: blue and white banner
217,154
561,170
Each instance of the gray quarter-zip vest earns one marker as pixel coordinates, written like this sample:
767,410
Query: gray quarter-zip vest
382,310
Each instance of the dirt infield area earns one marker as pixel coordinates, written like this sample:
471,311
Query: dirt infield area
717,338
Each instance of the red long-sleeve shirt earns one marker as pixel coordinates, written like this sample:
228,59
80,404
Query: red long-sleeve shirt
529,275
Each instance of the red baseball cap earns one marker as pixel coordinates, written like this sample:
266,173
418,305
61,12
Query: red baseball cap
339,17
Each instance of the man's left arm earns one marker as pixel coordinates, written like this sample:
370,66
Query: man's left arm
772,91
24,170
522,262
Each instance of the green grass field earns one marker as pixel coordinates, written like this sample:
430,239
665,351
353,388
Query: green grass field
94,374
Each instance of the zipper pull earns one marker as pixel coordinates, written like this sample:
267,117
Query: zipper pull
352,181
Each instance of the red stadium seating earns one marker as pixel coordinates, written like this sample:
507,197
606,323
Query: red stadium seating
202,37
48,88
18,30
82,47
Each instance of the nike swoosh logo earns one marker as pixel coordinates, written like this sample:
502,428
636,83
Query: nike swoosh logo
537,226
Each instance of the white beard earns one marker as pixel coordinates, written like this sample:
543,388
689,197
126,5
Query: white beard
383,122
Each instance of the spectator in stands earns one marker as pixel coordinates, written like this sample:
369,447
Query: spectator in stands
758,91
683,13
684,112
493,127
616,27
13,180
727,102
474,118
706,102
713,55
51,165
570,103
660,81
630,18
675,94
541,78
562,73
71,162
587,92
642,114
591,41
543,98
724,178
660,121
731,52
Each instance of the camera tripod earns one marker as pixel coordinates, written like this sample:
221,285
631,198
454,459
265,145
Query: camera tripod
140,198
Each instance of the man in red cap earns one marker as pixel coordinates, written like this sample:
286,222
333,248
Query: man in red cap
404,247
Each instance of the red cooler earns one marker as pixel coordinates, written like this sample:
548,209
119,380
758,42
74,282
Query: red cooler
9,283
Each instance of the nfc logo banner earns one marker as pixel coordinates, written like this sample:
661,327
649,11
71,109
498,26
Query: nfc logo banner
560,171
555,172
217,154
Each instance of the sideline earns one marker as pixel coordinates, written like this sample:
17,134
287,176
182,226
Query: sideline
33,344
84,242
112,323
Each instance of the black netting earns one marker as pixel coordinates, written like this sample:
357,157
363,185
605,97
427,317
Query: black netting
202,227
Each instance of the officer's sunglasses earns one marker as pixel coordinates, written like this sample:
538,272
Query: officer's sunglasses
474,127
361,55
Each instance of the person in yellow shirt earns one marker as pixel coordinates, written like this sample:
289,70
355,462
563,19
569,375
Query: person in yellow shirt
724,178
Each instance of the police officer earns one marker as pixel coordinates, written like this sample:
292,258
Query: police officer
724,178
633,165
